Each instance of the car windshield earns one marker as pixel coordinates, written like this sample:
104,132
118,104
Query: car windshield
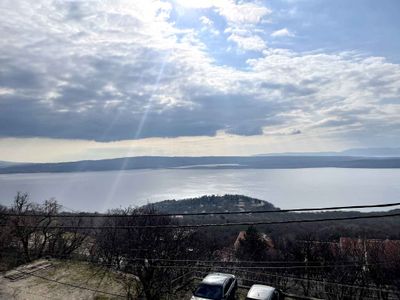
209,291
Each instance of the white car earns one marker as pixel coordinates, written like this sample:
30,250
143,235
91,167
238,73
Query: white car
216,286
263,292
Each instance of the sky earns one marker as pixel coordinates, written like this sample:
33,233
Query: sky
86,79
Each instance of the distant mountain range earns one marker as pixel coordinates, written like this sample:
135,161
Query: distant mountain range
351,158
208,162
8,164
361,152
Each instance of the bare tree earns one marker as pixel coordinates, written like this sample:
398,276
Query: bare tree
36,231
144,252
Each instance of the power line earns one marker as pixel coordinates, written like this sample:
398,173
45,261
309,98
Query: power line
243,269
239,269
311,280
177,226
251,262
263,267
222,262
98,215
242,262
320,281
205,266
196,261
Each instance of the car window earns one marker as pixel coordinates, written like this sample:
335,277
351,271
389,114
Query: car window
208,291
228,285
275,296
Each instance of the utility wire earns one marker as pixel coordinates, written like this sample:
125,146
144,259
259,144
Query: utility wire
99,215
196,261
223,262
208,267
323,282
205,266
239,269
177,226
193,261
262,267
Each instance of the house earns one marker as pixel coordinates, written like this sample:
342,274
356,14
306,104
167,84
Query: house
379,249
264,237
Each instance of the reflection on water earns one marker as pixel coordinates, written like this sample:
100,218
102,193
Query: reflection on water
98,191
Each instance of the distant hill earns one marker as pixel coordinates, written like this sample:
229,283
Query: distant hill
213,204
374,228
376,152
208,162
359,152
4,164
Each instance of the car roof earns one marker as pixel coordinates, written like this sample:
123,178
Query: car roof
217,278
261,292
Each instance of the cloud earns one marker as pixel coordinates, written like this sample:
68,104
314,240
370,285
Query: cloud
232,11
248,42
208,25
6,91
245,13
120,70
243,24
295,131
282,33
206,21
242,19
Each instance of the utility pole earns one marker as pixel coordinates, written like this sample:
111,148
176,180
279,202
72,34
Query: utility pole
365,257
306,269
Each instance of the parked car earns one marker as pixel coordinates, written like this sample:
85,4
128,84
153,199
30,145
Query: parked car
263,292
216,286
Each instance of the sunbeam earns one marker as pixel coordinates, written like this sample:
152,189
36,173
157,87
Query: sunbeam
130,153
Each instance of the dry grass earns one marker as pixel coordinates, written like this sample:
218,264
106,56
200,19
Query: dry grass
69,272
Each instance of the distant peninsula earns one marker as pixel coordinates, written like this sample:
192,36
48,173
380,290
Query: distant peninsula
212,203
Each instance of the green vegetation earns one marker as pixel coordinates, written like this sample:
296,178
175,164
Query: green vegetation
326,231
213,203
